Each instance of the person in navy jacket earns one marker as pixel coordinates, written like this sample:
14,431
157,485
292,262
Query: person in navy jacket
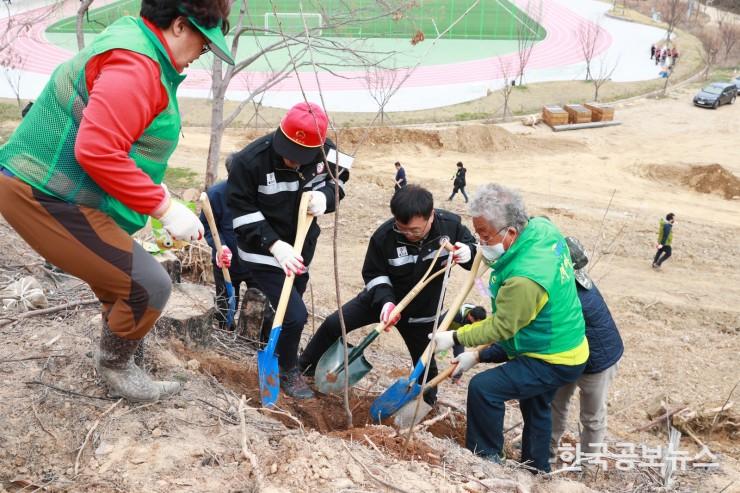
238,271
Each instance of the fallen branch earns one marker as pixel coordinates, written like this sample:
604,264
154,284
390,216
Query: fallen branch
436,419
283,413
453,405
372,444
65,391
370,473
34,357
724,406
248,454
660,418
41,423
45,311
89,433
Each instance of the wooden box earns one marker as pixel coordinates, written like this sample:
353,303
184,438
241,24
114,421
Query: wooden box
554,115
601,112
577,113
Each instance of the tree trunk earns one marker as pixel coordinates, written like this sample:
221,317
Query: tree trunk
189,314
84,6
217,131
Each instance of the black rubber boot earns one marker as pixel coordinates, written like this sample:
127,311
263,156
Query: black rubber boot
114,363
293,384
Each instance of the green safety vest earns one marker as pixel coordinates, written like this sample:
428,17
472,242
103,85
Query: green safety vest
541,254
668,240
41,151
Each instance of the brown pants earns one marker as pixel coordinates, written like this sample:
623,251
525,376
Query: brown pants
88,244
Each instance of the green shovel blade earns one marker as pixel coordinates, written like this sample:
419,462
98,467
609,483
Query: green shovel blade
329,374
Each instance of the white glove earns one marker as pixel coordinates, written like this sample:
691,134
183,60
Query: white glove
444,340
317,203
181,223
462,254
291,262
465,361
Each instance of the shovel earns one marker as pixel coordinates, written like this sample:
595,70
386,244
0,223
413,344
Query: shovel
217,242
406,389
267,363
404,417
329,370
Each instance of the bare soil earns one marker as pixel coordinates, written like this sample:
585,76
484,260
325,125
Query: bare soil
609,187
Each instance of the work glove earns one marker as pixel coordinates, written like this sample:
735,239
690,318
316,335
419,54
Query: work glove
181,223
291,262
385,315
444,340
462,254
658,246
223,260
465,361
317,203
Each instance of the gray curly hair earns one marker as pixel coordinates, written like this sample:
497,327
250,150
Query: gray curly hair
499,206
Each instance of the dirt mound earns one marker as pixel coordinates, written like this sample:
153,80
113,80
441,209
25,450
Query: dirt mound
710,178
479,138
463,138
375,136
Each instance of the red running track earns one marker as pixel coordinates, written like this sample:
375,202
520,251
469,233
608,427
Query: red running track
560,47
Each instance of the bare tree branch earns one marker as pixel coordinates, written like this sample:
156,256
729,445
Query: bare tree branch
527,34
588,37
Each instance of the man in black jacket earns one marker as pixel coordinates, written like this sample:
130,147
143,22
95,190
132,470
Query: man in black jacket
459,183
399,253
265,185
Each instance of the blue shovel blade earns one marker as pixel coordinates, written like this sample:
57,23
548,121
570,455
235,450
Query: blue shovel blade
232,304
398,394
269,373
394,398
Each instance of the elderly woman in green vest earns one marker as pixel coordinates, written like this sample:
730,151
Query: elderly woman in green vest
84,170
536,317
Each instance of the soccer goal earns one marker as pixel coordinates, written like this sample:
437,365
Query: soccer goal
292,23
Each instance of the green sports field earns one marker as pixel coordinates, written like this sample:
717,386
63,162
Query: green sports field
489,20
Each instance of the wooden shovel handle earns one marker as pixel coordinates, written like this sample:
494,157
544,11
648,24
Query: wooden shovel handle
304,223
206,204
457,303
418,287
447,372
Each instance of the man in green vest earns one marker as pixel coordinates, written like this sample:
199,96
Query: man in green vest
535,316
665,238
84,170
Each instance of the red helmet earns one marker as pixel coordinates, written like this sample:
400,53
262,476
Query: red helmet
301,134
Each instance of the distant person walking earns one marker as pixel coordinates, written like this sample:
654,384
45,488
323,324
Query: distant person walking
652,51
459,183
400,177
665,238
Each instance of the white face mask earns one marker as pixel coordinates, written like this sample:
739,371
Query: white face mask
492,252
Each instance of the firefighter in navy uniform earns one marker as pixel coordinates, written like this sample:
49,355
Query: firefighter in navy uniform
399,253
265,185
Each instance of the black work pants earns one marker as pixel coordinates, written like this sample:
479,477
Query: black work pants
461,189
662,255
359,313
